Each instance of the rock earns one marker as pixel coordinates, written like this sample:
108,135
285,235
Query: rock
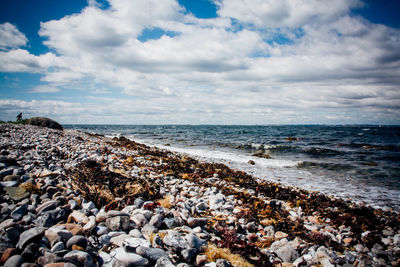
31,252
75,229
19,212
90,225
216,201
5,172
78,217
138,202
46,206
88,205
17,193
7,254
118,239
131,243
171,222
11,178
129,259
322,256
77,240
396,240
195,222
223,263
148,230
164,262
152,254
280,235
44,122
118,223
30,236
14,261
80,256
48,258
58,247
175,240
105,240
194,241
156,220
201,259
188,254
139,219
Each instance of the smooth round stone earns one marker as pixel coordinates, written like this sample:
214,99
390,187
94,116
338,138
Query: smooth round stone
14,261
8,253
118,223
9,183
11,178
131,243
164,262
195,222
136,233
80,256
105,240
58,246
19,212
153,254
129,259
101,230
90,225
17,193
194,241
156,220
46,206
30,236
174,239
139,219
188,254
77,240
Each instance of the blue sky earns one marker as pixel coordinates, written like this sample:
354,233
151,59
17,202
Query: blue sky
201,62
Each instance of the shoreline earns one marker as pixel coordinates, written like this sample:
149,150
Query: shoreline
192,208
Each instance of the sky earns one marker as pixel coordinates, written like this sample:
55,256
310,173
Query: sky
201,61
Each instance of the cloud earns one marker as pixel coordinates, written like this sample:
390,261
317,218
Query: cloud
284,13
20,60
45,89
11,37
257,62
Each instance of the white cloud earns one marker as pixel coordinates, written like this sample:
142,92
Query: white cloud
232,71
45,89
20,60
284,13
11,37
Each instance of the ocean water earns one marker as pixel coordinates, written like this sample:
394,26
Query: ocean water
361,163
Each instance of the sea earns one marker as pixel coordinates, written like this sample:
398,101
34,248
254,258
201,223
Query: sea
360,163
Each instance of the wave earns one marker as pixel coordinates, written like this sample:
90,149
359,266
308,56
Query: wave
325,166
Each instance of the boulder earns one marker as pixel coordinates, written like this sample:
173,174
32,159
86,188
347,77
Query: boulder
44,122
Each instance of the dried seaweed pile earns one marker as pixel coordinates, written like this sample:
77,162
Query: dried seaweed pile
110,189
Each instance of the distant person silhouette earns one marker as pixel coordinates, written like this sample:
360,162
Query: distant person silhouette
19,117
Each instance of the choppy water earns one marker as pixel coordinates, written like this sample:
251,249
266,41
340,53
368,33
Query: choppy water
357,162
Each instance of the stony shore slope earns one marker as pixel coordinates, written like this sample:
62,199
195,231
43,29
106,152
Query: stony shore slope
77,199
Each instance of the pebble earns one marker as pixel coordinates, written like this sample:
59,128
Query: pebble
80,256
29,236
14,261
129,259
77,240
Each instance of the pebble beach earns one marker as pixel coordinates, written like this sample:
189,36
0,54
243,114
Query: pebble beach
71,198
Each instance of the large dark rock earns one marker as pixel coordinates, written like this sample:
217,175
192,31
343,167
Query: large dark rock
44,122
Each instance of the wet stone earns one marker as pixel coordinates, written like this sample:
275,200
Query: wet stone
48,205
17,193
